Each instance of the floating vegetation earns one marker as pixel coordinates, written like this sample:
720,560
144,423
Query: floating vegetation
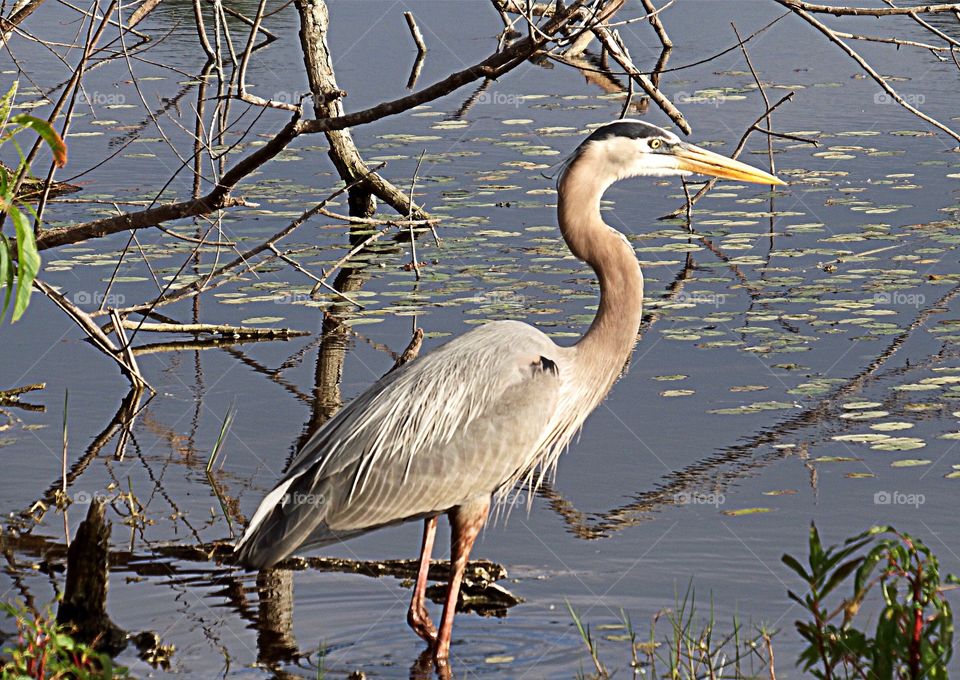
828,317
746,511
898,444
755,407
833,459
677,393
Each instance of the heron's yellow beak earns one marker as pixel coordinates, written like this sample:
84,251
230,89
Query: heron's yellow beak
696,159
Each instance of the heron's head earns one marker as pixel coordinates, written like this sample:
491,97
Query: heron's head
633,148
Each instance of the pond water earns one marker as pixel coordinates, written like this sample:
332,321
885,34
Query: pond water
800,362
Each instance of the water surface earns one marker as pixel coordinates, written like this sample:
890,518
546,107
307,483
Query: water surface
753,365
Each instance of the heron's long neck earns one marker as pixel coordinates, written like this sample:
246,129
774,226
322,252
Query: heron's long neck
613,333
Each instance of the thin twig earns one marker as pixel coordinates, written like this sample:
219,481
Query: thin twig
191,239
803,10
320,282
763,94
89,326
654,15
63,465
415,32
616,49
871,11
268,36
736,152
201,285
629,99
377,221
356,249
121,334
899,42
13,394
245,61
413,238
786,135
225,330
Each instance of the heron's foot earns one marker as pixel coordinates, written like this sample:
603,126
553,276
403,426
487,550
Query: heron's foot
419,620
441,654
440,651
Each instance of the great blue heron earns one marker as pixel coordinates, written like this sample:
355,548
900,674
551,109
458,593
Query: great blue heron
457,428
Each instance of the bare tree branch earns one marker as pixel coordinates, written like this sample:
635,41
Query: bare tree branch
870,11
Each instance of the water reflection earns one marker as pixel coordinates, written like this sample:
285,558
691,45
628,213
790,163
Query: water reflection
143,431
717,472
276,643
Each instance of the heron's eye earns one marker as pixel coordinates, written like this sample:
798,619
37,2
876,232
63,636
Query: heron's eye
656,143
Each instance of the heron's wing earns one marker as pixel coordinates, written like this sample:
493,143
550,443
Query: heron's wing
461,421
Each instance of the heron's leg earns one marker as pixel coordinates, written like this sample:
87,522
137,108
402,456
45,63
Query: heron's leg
417,616
465,523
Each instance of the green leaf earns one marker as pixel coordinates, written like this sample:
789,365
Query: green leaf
841,573
796,598
28,262
6,274
49,135
6,103
816,548
794,564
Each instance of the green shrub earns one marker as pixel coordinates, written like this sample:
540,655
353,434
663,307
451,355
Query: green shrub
913,635
46,651
20,262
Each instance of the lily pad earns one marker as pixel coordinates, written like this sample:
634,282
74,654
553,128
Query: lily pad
899,444
891,426
254,320
745,511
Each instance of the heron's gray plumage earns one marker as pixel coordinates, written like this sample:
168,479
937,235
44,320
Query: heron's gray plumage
470,418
